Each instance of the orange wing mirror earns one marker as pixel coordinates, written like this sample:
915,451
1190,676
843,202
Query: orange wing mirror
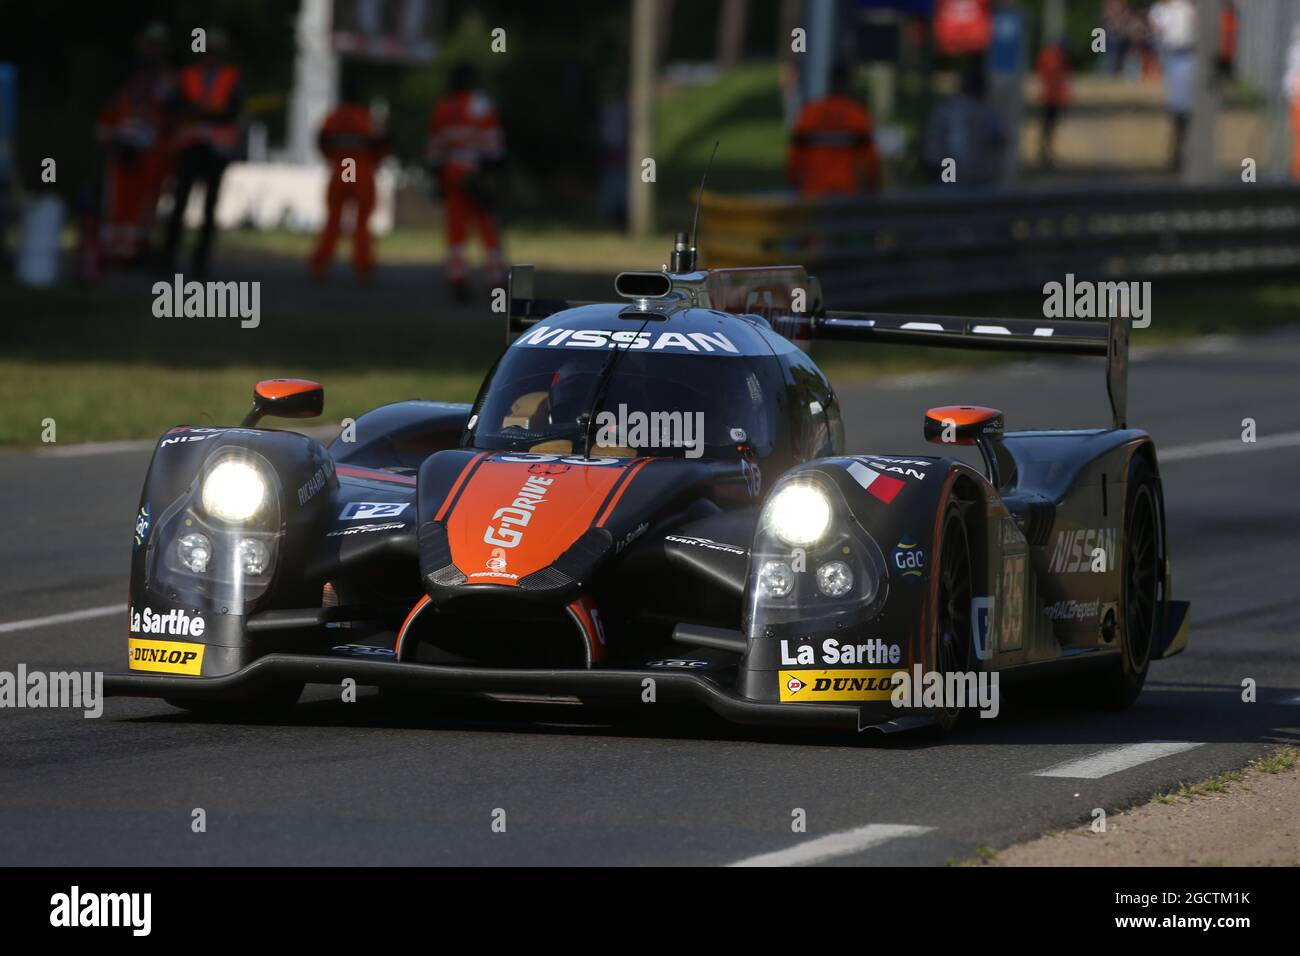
285,398
962,424
972,425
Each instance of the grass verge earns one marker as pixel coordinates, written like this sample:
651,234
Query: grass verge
102,401
103,367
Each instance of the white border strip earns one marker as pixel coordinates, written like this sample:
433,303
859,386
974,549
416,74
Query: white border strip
95,448
67,617
1115,759
835,844
1229,446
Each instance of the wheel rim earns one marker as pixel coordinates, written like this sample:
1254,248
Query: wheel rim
954,602
1141,579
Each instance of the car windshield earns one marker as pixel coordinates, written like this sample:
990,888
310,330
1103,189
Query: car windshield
540,400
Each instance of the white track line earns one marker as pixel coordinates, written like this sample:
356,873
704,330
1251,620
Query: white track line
95,448
1115,759
67,617
834,844
1292,700
1228,446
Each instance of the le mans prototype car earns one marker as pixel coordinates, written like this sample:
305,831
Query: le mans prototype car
510,550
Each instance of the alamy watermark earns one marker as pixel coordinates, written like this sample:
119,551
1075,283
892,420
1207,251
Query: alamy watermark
75,690
646,430
1083,299
208,300
934,690
77,909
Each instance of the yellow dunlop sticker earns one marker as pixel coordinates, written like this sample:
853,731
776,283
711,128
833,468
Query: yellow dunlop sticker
171,657
836,685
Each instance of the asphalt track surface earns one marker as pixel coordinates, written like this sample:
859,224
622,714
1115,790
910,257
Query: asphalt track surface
348,783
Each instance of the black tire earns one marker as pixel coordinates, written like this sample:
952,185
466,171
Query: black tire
953,648
268,704
1140,584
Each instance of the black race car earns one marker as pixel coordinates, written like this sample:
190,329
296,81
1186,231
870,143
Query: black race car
650,500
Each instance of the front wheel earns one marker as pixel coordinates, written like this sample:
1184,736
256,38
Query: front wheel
953,650
1139,587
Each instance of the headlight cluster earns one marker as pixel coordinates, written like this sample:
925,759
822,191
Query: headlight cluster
221,539
801,516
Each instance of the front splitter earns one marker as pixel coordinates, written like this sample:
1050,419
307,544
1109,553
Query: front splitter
611,686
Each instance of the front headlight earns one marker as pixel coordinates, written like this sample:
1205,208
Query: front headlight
775,579
234,491
835,579
254,556
799,514
195,551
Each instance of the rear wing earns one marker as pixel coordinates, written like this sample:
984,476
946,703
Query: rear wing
791,301
523,310
1043,336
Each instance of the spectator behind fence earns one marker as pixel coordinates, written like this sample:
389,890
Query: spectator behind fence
1291,90
1053,69
465,151
967,131
1174,25
1225,58
1115,15
353,146
832,149
207,107
133,128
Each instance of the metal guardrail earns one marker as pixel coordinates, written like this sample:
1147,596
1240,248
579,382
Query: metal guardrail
870,251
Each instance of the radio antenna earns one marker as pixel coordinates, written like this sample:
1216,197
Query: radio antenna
699,199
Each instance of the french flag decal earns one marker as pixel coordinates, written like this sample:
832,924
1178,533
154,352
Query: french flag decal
878,485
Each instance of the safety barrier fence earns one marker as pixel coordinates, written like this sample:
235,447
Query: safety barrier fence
869,251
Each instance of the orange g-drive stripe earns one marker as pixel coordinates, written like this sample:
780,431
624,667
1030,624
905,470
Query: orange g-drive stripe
495,540
618,491
456,485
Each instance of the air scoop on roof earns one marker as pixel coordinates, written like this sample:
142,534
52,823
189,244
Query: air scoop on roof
642,285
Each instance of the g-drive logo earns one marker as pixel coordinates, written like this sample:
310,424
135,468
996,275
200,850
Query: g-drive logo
75,909
505,531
